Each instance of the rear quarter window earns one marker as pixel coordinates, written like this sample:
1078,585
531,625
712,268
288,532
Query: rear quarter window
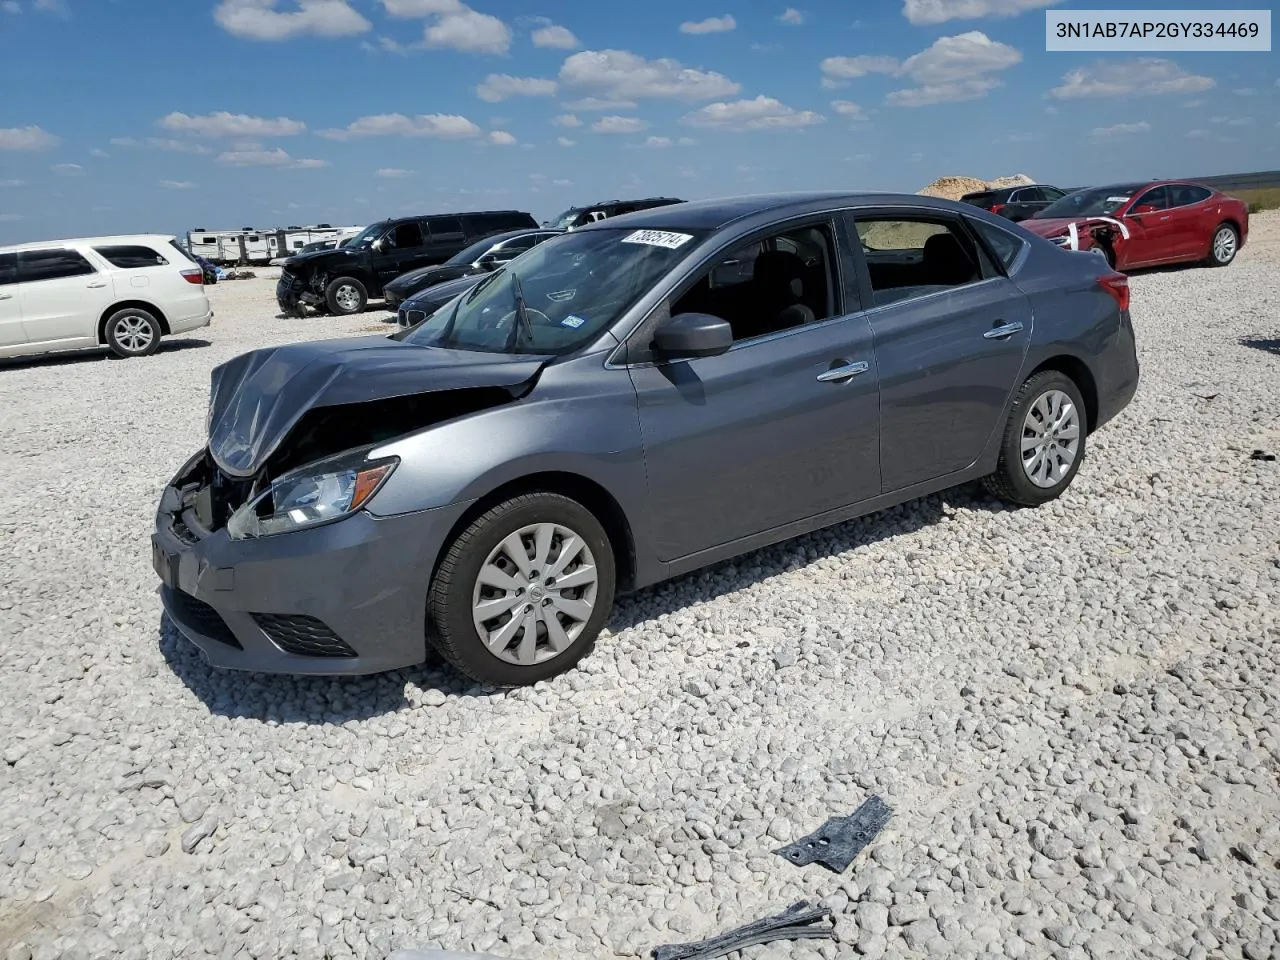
8,268
1004,246
131,257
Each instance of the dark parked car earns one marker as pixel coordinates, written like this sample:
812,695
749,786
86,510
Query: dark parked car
1015,203
481,257
576,217
612,410
344,279
423,304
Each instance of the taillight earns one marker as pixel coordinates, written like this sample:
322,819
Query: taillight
194,275
997,207
1116,284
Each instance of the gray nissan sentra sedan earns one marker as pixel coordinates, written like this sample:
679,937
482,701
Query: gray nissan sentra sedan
623,404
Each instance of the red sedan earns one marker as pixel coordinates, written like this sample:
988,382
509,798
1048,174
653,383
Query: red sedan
1147,224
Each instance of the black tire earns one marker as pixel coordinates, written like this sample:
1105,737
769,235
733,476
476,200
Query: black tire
344,288
133,332
449,603
1011,481
1215,259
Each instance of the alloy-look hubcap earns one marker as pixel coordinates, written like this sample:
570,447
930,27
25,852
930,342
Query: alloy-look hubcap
348,297
134,334
1050,439
1224,245
534,594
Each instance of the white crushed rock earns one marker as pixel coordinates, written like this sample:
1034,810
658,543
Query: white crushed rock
1074,711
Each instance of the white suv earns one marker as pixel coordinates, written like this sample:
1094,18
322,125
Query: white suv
121,292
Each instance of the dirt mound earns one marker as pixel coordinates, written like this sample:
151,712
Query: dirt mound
953,188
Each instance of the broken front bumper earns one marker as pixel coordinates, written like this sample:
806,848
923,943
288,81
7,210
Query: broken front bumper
347,597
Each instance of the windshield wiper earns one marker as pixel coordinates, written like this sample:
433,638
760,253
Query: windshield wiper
522,314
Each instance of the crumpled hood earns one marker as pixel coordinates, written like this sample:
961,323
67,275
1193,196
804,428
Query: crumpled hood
255,399
1050,226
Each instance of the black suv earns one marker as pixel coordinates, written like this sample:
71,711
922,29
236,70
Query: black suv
581,216
343,280
1016,203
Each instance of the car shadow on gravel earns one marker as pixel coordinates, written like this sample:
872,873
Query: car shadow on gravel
1265,344
272,698
96,353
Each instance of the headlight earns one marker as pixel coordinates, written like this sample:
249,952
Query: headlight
320,492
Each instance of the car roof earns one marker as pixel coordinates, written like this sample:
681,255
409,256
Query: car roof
720,212
117,240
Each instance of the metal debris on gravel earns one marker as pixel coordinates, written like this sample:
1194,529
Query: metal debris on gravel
1074,711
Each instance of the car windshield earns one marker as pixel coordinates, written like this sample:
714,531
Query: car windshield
1094,202
566,219
366,236
570,287
472,253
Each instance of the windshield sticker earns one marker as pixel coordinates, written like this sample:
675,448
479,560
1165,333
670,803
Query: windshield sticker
572,321
1116,199
658,238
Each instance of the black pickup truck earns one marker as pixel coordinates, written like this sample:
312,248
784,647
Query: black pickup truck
344,280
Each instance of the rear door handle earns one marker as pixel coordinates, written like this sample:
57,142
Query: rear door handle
1003,331
845,372
6,296
95,286
1163,219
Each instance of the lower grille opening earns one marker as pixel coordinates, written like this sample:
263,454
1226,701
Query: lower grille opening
202,617
302,635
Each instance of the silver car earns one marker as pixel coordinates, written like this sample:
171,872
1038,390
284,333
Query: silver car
623,404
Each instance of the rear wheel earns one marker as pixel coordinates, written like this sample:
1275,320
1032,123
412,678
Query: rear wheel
133,332
1225,244
346,295
1043,443
524,591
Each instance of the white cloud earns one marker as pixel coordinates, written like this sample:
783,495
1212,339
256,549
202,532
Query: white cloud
1121,129
614,124
470,31
27,138
566,120
268,158
593,104
685,142
261,20
1198,134
553,37
1145,76
10,217
161,143
51,6
562,183
68,169
499,86
393,173
10,6
565,141
177,184
710,25
501,138
1191,104
791,16
1233,121
847,108
762,113
13,183
951,70
445,126
922,12
837,71
622,75
99,153
224,124
658,142
406,9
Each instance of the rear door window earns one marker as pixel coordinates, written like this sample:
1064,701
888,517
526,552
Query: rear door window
1184,194
37,265
8,268
445,229
130,257
912,256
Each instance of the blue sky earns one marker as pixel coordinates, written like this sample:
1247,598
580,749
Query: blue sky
126,115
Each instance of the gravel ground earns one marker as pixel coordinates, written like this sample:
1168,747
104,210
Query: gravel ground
1073,710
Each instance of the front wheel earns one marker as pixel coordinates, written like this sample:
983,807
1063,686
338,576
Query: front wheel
133,332
524,591
1043,442
346,295
1226,241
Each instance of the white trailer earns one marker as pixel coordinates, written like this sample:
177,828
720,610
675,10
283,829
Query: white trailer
248,245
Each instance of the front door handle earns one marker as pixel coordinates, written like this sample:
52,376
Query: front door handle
6,296
1163,219
844,372
1004,331
95,286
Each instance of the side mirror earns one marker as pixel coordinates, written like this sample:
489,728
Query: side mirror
693,335
487,262
380,245
1144,208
